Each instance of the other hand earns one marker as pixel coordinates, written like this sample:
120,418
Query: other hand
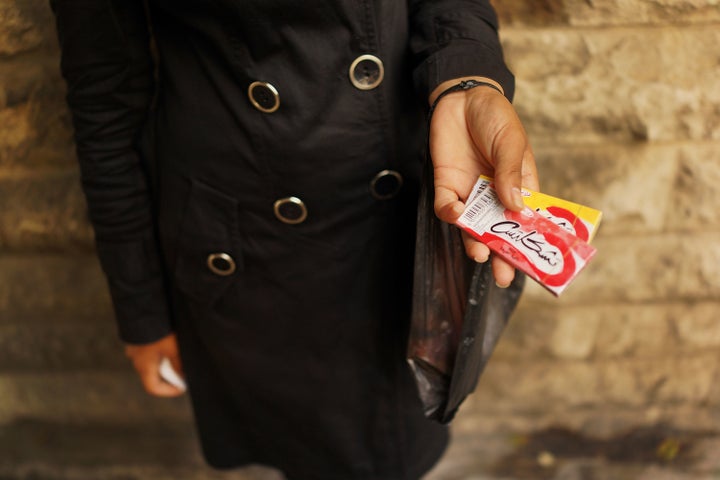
146,360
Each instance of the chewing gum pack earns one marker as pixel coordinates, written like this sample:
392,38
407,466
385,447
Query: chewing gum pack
548,240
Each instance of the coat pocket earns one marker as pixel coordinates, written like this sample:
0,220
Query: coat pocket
209,256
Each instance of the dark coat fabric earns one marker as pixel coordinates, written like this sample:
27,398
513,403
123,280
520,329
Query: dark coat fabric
294,356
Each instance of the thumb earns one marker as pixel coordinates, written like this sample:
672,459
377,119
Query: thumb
509,156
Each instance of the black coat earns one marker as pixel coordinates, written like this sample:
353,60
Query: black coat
254,191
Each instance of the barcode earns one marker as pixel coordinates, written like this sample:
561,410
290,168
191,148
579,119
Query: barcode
479,188
487,200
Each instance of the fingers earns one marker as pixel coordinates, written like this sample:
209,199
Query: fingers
147,358
448,206
154,384
503,272
476,250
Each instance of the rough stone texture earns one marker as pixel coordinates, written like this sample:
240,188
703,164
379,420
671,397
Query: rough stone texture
48,213
606,177
621,85
56,344
640,188
574,337
36,125
24,26
695,196
40,285
83,397
650,268
619,330
66,451
601,13
696,326
556,385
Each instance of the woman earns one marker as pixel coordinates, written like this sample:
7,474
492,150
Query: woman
253,187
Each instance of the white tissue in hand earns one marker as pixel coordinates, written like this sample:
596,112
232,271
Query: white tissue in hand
168,373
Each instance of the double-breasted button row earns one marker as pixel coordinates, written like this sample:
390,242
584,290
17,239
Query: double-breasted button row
384,186
291,210
366,72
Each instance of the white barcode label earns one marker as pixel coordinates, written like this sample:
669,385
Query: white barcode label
483,207
480,186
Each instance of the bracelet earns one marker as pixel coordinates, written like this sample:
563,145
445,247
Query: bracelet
463,85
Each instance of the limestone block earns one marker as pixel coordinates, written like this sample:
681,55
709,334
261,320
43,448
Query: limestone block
36,284
631,184
598,13
17,135
646,268
610,330
714,395
24,25
91,396
580,86
528,332
530,12
643,331
56,343
37,130
633,12
574,336
686,378
697,325
552,385
624,383
53,449
49,213
541,384
695,200
678,379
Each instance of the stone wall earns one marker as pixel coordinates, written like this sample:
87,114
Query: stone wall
621,99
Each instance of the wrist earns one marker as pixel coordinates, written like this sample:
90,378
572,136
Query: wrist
449,84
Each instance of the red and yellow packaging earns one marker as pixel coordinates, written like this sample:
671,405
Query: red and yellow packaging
548,240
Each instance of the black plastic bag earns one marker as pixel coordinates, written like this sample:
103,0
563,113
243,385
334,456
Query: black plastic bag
458,313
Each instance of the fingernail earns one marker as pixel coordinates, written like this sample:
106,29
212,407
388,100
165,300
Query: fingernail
517,198
502,286
481,259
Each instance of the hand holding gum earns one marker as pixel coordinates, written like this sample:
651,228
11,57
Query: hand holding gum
547,240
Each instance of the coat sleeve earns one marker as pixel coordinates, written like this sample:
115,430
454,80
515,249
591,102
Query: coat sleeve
456,38
108,68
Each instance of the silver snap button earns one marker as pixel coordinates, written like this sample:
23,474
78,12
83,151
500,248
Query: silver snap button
264,97
290,210
221,264
386,184
366,72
